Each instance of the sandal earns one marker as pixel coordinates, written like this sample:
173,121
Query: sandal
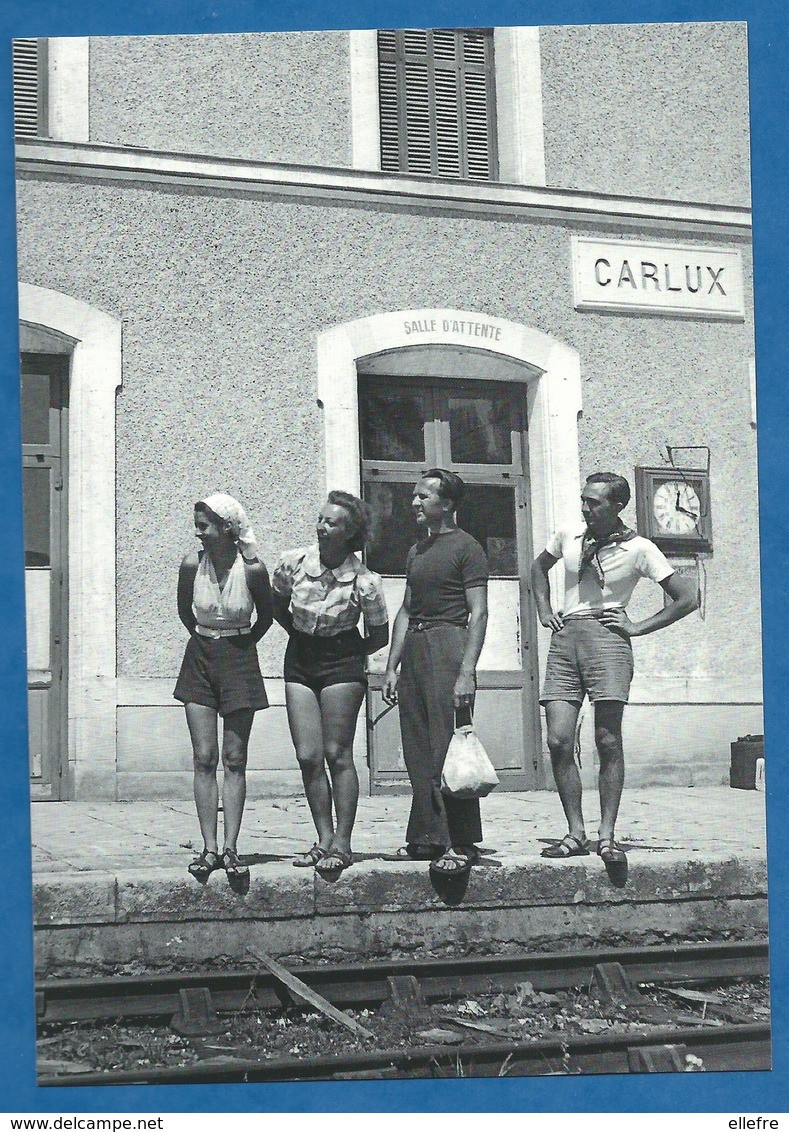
569,846
452,864
609,852
309,859
413,852
202,867
333,863
233,865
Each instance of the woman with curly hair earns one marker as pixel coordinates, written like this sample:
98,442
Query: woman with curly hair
320,594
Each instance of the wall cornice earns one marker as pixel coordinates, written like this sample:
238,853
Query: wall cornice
91,162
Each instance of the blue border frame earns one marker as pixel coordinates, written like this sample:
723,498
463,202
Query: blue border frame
736,1092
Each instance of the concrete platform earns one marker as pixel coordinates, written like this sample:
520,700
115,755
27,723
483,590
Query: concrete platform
111,888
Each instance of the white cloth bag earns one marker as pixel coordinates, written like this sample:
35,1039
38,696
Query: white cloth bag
468,772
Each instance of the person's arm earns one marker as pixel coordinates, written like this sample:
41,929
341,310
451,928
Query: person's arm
477,603
377,638
281,589
389,690
281,611
186,585
260,588
541,589
684,599
375,615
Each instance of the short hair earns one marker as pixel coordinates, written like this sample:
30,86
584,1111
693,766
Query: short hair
450,485
618,487
359,514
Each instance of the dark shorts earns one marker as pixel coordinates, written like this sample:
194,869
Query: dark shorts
223,674
586,658
319,662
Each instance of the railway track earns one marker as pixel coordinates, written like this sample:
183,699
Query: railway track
659,1050
367,984
615,972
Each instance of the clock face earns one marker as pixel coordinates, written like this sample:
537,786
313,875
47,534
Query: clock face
677,508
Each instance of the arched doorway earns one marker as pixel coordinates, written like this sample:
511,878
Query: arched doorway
499,403
83,346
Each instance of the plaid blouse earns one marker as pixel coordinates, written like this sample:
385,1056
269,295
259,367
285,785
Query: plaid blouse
324,602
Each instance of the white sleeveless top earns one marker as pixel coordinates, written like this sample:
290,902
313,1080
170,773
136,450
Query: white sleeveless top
229,608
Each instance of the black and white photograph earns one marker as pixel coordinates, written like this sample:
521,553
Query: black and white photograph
391,550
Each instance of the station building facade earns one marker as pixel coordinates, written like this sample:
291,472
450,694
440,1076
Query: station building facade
275,265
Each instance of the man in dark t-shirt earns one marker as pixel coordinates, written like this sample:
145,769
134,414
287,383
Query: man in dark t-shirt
437,638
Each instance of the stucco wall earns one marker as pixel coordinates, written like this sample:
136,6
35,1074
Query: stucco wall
648,110
222,300
640,109
277,97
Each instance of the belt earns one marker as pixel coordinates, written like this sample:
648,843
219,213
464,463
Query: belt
422,626
204,631
593,614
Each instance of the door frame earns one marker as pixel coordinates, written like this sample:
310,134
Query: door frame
94,340
550,370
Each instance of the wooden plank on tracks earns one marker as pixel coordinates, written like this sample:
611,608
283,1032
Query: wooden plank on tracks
288,979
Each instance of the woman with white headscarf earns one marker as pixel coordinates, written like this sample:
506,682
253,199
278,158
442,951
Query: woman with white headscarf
218,588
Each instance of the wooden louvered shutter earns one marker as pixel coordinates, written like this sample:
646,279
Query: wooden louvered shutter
30,88
437,102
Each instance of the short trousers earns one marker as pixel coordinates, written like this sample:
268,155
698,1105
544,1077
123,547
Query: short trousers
586,658
319,662
221,673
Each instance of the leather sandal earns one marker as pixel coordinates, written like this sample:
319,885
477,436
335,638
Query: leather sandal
413,852
454,864
609,852
334,862
309,859
202,867
569,846
233,865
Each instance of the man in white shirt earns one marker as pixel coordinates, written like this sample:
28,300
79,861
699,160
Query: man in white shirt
590,651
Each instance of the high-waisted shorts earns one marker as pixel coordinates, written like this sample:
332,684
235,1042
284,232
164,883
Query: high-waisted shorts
222,674
319,662
586,658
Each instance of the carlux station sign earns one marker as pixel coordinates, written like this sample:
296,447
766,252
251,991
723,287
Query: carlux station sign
668,278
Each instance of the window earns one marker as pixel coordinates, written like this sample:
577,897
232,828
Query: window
437,102
30,88
409,425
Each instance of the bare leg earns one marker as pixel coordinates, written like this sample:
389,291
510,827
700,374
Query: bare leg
561,717
235,741
340,705
304,719
201,721
608,738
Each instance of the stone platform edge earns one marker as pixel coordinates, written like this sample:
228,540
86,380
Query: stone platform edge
279,892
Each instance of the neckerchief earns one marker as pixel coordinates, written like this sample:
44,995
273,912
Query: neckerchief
591,546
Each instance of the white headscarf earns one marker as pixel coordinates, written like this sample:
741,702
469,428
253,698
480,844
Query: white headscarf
229,509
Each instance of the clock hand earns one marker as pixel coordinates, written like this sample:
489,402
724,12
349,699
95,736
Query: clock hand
684,511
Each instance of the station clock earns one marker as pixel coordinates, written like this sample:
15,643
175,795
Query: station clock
673,509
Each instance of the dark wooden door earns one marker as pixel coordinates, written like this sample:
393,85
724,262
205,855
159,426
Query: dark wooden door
477,429
44,395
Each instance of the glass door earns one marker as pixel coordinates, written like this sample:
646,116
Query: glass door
44,384
477,429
